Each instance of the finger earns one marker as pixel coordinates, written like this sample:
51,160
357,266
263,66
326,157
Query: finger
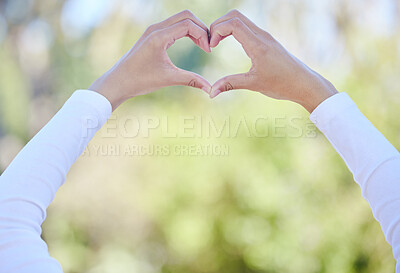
238,81
187,78
186,14
200,44
185,28
238,29
235,13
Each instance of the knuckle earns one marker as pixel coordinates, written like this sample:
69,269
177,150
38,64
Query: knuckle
228,86
187,13
154,38
212,27
192,83
186,22
236,22
235,13
269,36
263,50
150,29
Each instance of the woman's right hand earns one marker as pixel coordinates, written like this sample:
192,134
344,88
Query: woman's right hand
146,66
274,72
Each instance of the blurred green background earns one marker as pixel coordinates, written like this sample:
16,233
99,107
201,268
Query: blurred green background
275,203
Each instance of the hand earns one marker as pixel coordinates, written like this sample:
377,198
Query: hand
147,67
274,72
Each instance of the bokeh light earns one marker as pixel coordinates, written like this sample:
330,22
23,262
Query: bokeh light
280,200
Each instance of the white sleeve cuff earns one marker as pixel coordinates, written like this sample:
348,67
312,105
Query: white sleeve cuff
329,108
94,100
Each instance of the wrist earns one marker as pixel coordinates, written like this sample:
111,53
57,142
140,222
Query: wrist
317,93
105,88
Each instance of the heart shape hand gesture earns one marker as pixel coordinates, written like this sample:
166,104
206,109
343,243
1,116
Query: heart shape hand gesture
275,72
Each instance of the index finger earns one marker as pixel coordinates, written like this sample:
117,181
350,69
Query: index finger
239,30
181,16
235,13
186,14
185,28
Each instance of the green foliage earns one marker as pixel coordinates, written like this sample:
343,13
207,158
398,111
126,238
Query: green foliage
278,201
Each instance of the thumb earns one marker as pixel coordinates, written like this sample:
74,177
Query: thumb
238,81
184,77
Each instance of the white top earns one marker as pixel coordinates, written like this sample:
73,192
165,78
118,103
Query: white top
29,184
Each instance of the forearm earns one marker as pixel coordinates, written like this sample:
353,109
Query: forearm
29,184
374,162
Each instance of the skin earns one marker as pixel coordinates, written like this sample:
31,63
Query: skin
147,67
275,72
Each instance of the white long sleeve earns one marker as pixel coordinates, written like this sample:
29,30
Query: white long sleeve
374,162
29,184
